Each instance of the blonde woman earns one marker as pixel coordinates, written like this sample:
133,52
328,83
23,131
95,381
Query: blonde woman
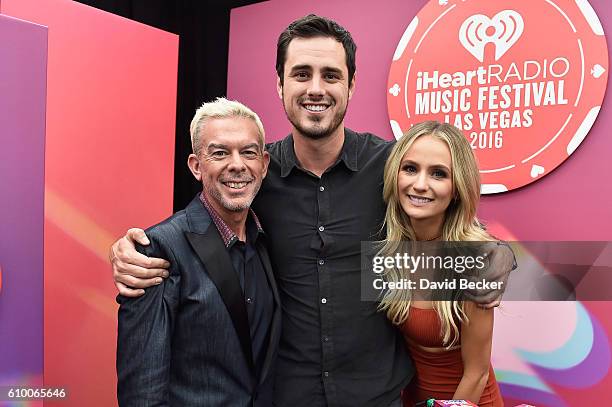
432,190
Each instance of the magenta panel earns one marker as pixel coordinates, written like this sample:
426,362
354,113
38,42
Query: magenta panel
23,75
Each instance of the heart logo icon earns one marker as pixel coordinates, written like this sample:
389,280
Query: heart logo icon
597,71
536,171
504,30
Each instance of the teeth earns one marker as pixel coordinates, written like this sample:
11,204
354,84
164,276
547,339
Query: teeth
419,200
236,185
315,108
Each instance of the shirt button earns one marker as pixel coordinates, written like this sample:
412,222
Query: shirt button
323,301
321,228
326,374
321,262
249,300
321,188
326,339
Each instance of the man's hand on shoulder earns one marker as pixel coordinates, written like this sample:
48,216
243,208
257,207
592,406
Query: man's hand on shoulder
133,271
501,261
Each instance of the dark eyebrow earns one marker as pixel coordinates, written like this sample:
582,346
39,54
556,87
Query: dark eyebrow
309,68
300,67
331,69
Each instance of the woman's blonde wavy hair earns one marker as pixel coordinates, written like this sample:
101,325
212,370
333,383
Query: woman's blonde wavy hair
460,222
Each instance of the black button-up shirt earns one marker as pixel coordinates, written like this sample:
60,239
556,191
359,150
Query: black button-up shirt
257,292
253,281
335,350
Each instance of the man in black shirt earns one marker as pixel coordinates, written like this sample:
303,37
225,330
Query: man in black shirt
321,198
335,350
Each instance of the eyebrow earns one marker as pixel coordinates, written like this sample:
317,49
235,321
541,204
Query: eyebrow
299,67
440,166
252,145
225,147
332,69
213,145
309,67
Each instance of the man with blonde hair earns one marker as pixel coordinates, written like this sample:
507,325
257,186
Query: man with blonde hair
208,334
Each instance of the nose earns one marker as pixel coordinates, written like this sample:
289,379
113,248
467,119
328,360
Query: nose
315,88
236,163
420,182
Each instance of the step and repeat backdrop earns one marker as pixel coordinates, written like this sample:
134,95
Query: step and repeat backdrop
526,82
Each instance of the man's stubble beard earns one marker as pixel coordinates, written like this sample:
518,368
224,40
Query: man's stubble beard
215,194
317,133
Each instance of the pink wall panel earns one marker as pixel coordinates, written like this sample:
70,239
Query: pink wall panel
23,80
109,165
555,354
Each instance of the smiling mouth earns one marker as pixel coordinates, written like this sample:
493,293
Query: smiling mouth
419,200
315,108
236,185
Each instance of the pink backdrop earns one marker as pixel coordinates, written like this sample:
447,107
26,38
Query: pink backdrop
109,153
552,354
23,78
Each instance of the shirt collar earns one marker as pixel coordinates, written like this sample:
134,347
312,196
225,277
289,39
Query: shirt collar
348,155
227,235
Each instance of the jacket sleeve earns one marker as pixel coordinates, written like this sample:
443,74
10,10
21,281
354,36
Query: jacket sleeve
145,326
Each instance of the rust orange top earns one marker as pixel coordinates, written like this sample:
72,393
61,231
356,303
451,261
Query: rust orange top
437,373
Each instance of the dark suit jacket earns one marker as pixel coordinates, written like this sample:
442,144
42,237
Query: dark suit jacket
187,342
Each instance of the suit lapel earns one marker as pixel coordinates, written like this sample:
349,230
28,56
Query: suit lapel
213,254
276,317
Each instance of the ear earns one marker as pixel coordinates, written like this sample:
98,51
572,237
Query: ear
194,166
266,162
352,86
279,87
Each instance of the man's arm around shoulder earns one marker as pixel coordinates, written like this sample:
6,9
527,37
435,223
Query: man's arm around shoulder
145,326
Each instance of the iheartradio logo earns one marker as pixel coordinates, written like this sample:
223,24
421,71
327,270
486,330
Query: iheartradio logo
525,93
503,30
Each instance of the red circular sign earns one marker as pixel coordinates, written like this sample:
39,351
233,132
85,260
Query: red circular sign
523,79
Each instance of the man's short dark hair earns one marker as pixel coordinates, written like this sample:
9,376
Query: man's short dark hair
312,26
